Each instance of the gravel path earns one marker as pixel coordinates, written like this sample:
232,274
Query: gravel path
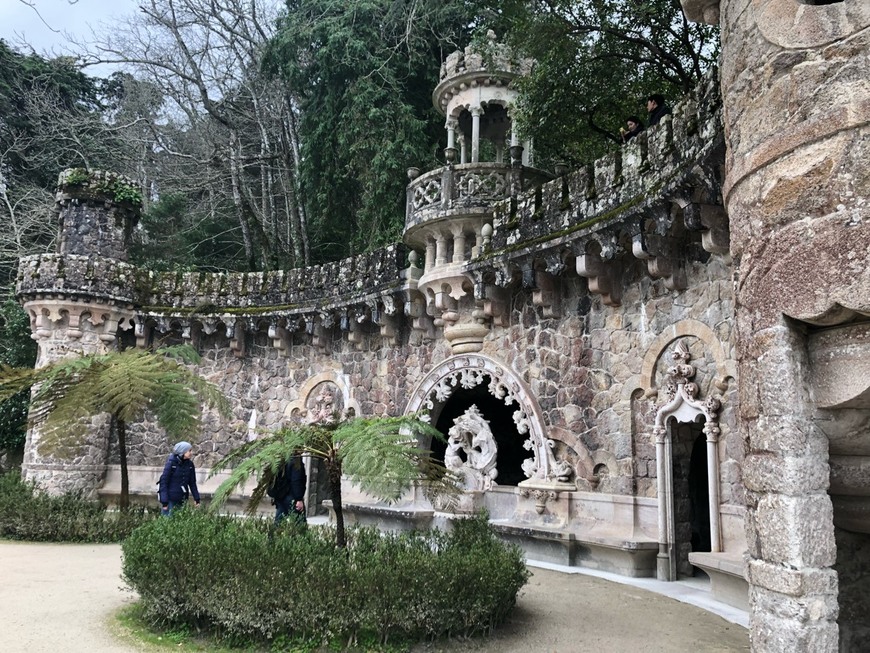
63,598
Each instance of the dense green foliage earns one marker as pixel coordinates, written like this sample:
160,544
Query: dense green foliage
243,579
597,61
364,71
379,454
26,514
17,350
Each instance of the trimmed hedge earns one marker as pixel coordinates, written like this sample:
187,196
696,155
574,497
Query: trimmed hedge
242,579
27,514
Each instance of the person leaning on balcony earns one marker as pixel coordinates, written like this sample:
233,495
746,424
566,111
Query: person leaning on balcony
635,126
657,108
178,479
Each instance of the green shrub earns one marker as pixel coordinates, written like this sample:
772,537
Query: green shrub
246,581
26,514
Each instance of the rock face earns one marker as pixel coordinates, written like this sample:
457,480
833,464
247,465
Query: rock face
796,96
668,347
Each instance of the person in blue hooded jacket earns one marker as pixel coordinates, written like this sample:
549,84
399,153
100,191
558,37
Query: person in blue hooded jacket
178,479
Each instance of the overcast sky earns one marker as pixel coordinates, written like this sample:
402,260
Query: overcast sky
20,23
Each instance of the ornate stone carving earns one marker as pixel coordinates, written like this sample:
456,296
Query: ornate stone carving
471,435
324,404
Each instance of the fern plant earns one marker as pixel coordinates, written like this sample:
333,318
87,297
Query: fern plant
379,454
125,385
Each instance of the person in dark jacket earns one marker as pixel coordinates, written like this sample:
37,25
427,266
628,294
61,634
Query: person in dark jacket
178,479
288,490
635,126
657,108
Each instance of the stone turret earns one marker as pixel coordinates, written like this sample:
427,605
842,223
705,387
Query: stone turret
449,209
78,299
796,96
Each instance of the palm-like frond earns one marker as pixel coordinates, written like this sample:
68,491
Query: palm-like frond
380,454
124,384
15,379
262,459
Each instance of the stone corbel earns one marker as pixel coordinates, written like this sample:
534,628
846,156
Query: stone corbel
658,253
319,329
356,335
415,310
717,238
279,337
107,328
546,294
236,335
446,309
495,306
74,326
389,332
605,277
142,330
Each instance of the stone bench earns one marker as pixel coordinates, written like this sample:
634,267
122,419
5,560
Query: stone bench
391,518
627,556
727,572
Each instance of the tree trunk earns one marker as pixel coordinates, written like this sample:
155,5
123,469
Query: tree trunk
335,492
121,427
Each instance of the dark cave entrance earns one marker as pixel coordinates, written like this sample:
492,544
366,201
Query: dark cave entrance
511,453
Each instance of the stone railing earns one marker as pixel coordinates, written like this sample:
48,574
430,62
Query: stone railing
498,58
312,288
676,161
77,276
466,186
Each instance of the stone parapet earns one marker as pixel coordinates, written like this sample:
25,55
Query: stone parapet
73,275
316,287
677,160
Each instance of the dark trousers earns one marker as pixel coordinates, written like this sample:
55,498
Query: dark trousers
286,506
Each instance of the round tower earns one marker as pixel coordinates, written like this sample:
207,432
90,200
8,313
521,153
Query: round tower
78,298
796,97
449,208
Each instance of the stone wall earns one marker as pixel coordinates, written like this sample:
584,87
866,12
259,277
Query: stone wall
796,96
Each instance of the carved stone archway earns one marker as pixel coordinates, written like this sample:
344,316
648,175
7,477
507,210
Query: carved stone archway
681,403
469,371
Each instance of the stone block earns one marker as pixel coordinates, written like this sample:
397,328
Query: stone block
790,581
796,531
765,472
772,634
789,434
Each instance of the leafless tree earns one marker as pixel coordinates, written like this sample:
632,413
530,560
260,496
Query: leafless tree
226,130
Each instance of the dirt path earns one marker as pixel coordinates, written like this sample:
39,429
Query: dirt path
63,597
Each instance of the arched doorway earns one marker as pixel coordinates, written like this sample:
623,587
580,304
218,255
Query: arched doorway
516,421
691,493
686,433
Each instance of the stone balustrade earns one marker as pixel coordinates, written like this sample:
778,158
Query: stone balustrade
465,188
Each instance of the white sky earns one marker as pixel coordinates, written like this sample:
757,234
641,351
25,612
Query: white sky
20,23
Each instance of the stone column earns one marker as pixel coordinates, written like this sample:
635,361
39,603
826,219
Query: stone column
463,149
458,246
475,133
796,103
711,430
440,250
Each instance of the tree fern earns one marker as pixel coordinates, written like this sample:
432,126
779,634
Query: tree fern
380,454
126,385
